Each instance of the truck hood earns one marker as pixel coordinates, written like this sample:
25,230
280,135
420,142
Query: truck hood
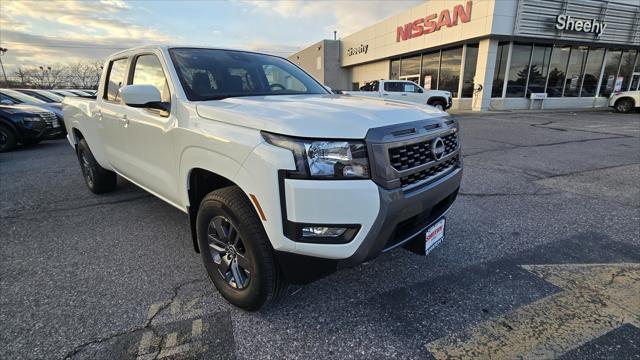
326,116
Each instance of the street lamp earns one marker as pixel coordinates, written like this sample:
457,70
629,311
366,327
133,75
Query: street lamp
2,51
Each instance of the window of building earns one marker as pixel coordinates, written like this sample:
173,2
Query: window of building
450,63
395,69
115,79
592,72
626,67
430,68
470,61
499,69
557,70
539,69
410,67
519,70
611,64
148,71
577,61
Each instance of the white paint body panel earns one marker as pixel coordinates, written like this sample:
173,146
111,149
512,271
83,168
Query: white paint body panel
635,95
412,97
159,153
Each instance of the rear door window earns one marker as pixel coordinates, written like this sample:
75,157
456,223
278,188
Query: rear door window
394,86
115,79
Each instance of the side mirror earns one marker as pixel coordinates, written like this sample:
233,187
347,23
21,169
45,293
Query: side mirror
142,96
6,102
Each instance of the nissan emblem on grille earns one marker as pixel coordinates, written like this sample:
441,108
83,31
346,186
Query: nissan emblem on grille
437,148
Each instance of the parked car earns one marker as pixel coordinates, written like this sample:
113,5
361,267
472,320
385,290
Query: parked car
404,90
77,92
43,95
14,97
63,93
282,181
625,101
26,125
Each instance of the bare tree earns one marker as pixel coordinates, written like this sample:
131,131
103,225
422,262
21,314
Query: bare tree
85,75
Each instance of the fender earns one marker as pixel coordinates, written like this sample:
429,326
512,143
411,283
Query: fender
200,158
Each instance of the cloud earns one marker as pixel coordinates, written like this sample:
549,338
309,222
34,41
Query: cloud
47,32
347,16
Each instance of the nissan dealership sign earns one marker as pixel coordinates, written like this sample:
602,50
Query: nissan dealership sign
434,22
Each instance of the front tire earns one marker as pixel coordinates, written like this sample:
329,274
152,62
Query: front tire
8,139
624,105
438,105
98,179
236,251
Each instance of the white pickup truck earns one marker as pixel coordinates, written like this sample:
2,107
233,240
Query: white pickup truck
404,90
625,101
282,181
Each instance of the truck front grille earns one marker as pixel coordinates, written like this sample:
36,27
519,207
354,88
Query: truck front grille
402,156
430,173
412,155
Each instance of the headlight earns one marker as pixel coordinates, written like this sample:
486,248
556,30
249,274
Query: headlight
31,119
328,159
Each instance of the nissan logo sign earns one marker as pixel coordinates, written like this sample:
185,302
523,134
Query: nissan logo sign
437,148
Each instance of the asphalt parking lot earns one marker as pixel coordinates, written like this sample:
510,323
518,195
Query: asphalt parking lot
541,260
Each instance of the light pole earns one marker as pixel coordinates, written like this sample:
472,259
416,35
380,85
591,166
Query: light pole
2,51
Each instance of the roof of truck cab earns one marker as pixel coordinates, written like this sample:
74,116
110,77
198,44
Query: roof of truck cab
167,47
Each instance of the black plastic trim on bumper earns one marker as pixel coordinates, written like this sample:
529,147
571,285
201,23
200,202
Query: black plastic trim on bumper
397,206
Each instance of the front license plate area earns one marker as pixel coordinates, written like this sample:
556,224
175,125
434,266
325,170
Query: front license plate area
428,239
434,236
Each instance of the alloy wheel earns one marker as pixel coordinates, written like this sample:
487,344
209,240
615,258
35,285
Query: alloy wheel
229,253
87,170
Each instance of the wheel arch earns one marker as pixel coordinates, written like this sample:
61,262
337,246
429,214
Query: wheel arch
434,99
76,136
10,125
201,172
633,101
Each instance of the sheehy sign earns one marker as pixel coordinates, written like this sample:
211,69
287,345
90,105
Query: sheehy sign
434,22
566,22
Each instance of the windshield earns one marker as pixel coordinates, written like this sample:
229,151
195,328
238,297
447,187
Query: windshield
52,96
208,74
24,98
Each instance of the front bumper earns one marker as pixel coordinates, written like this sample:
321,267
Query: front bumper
401,218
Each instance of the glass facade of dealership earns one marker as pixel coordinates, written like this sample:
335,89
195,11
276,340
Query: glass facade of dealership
558,70
569,53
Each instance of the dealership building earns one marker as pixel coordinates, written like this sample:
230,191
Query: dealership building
494,54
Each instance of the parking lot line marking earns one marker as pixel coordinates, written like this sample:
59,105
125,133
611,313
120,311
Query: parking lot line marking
594,300
196,328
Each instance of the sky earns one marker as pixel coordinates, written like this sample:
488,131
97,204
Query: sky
49,32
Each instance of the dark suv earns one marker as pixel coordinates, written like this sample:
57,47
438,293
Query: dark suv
26,125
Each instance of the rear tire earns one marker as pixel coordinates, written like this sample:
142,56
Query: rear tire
98,179
438,105
624,105
8,139
236,250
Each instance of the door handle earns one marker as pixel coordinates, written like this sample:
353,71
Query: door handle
403,94
385,94
124,120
